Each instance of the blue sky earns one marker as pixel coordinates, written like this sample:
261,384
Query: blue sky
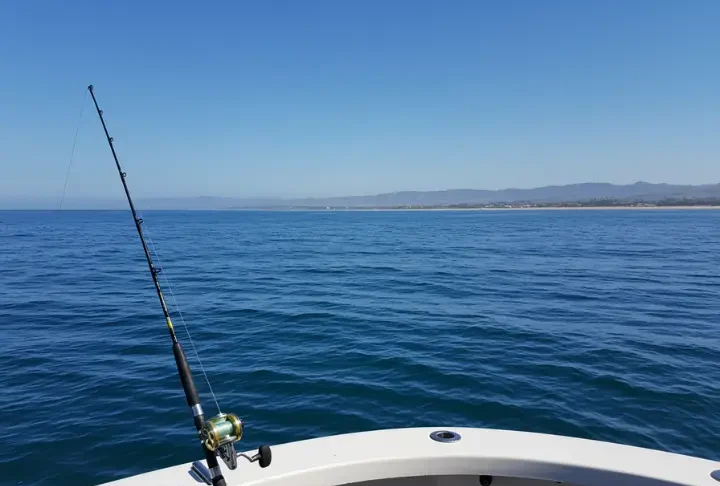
338,98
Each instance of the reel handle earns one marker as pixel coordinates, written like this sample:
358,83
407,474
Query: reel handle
263,457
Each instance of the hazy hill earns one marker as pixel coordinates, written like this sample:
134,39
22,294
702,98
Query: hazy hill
640,191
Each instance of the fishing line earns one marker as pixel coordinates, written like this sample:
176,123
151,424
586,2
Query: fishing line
182,319
72,152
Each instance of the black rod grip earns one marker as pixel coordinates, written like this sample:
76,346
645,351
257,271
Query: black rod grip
186,378
212,463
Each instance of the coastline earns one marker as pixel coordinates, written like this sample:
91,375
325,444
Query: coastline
558,208
550,208
366,209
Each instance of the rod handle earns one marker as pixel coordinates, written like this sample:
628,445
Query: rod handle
186,378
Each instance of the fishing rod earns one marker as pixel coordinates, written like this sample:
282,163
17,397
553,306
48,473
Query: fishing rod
218,434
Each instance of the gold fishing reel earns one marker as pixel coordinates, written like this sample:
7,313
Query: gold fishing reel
222,429
219,434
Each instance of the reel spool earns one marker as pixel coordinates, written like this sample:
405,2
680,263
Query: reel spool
220,430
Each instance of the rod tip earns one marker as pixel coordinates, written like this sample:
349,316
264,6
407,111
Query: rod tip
90,87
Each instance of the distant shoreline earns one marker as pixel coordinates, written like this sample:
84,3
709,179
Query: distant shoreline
369,209
547,208
554,208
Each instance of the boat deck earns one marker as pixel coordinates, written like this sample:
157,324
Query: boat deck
401,457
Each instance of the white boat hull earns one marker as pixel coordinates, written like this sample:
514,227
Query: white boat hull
404,457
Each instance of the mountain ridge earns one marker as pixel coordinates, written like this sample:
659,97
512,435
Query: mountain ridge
568,193
639,191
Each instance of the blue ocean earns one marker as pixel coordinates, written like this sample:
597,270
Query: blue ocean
596,324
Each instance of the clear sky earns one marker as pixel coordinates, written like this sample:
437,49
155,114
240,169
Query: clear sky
308,98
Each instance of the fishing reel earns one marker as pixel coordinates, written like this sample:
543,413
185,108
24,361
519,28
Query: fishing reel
219,435
222,429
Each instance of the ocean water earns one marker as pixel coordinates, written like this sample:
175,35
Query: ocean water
595,324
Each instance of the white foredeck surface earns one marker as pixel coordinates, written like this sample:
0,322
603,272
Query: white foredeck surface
512,458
